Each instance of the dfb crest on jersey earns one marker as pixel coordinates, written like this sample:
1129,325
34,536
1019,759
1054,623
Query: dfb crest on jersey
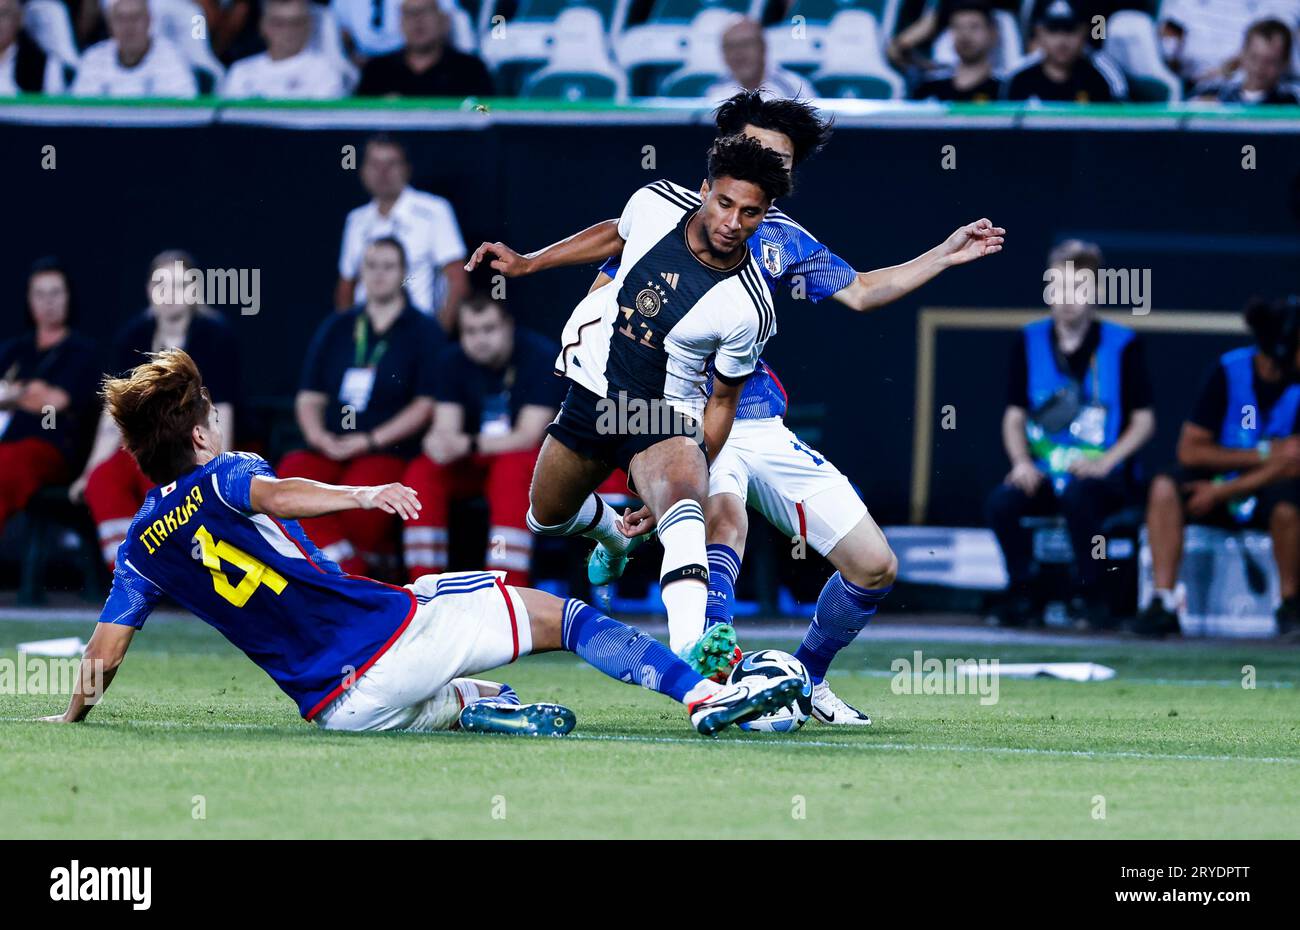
649,300
772,258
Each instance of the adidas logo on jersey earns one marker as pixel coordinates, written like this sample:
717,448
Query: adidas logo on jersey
671,277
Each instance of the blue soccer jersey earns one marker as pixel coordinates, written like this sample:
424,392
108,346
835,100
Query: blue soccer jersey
788,254
258,580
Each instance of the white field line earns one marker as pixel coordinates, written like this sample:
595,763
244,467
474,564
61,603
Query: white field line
1097,754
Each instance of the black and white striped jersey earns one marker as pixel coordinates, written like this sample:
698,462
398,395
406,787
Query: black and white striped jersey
650,333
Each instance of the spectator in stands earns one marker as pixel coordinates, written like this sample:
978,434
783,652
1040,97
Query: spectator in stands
496,392
1063,68
425,225
1265,58
111,483
974,38
1238,463
1202,41
1078,408
365,399
132,63
288,69
24,66
428,65
48,379
744,50
233,27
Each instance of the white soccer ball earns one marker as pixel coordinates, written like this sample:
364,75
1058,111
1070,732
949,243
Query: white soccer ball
753,667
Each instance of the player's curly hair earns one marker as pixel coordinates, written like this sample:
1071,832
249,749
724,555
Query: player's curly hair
798,119
745,159
156,406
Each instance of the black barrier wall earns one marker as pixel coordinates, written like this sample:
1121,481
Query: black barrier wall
1181,204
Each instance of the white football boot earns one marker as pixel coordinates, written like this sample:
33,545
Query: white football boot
827,708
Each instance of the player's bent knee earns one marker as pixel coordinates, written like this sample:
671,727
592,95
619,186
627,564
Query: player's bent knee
872,567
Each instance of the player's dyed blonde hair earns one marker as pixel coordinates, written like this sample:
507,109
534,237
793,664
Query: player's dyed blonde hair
156,407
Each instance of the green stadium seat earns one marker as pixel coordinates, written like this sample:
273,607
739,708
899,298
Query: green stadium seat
862,87
549,10
821,12
688,84
1145,89
683,11
570,85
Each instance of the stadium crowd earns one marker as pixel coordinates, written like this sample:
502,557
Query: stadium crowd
1229,51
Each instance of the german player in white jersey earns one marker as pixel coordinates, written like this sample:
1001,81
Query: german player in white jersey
636,354
764,463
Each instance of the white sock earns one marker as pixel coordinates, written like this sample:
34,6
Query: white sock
1168,598
684,573
595,519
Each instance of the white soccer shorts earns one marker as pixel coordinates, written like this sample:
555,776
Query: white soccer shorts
794,486
466,622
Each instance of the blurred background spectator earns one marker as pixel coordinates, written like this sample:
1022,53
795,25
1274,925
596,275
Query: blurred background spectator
975,37
365,399
496,392
288,69
1202,39
1236,471
427,65
424,224
1262,67
132,62
24,66
48,380
111,482
1079,406
744,51
1064,68
369,27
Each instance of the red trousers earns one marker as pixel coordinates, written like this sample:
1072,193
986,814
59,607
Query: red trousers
114,492
350,536
26,466
504,480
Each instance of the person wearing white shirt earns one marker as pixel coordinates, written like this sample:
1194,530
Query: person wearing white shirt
1202,39
132,63
287,70
24,65
745,52
426,226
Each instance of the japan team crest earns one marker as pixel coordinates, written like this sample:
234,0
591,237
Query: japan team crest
772,258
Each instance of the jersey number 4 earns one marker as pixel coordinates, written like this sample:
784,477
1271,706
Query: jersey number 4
256,573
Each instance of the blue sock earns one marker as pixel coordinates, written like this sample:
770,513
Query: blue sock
724,566
625,653
843,609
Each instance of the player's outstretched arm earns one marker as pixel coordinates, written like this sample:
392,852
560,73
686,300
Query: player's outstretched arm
99,663
593,244
872,289
298,498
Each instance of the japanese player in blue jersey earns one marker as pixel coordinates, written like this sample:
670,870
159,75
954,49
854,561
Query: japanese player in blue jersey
219,536
764,464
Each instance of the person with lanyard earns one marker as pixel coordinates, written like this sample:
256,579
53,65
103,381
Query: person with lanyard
111,483
47,393
496,393
1078,408
366,397
1238,464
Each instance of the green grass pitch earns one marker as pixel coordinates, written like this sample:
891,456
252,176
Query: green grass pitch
194,741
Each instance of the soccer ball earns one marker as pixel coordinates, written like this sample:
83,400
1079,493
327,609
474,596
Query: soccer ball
773,663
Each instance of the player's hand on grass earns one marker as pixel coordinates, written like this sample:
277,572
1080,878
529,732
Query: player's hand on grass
1025,476
1204,497
637,524
504,259
395,498
972,241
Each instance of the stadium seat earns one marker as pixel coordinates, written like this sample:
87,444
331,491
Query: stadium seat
326,40
1009,53
703,65
798,40
579,66
854,64
1132,41
651,51
174,20
48,515
517,49
50,26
